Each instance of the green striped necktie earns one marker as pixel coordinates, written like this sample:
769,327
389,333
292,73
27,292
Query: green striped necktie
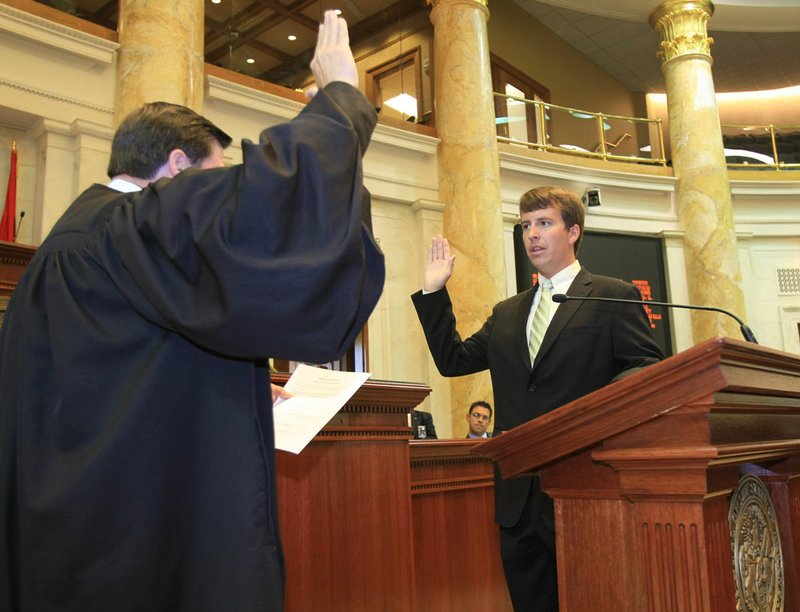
540,318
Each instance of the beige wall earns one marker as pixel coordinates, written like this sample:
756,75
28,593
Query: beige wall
572,78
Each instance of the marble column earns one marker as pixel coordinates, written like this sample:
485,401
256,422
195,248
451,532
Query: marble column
703,196
160,54
469,177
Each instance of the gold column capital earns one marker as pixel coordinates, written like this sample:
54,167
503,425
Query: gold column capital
482,3
681,24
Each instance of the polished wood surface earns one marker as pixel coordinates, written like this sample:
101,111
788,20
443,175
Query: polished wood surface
372,520
14,259
345,507
457,565
642,470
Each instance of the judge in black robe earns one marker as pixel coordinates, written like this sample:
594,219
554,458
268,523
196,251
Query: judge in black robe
136,439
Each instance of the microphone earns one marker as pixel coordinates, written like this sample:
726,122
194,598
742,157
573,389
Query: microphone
747,333
21,217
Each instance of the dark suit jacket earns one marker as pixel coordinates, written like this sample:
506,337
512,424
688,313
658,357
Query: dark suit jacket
419,417
586,346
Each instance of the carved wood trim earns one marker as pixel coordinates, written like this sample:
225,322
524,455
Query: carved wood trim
14,259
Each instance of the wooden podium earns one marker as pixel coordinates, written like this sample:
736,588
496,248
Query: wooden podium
345,506
14,259
371,520
641,473
457,563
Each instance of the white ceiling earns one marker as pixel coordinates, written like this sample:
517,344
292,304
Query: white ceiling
755,41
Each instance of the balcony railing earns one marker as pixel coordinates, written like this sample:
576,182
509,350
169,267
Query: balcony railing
762,147
548,127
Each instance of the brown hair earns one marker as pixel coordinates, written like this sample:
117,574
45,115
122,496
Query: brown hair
564,200
145,138
482,404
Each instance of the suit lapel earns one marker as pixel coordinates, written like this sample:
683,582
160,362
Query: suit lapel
580,287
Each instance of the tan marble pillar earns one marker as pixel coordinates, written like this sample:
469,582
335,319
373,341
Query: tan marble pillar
704,206
469,177
160,54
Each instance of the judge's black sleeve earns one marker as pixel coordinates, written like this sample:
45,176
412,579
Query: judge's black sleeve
136,439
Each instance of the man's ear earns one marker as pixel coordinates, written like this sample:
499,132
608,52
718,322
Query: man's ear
574,233
177,162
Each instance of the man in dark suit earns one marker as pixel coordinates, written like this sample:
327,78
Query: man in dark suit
422,426
479,415
540,355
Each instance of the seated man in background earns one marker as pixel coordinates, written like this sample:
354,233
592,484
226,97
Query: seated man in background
479,416
422,425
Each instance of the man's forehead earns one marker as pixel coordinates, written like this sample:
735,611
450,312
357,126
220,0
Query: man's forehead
551,212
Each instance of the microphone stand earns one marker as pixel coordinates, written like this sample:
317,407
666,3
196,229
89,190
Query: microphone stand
747,333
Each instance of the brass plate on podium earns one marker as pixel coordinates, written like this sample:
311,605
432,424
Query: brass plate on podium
756,543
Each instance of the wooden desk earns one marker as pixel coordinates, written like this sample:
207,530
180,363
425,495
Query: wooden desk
372,520
345,508
457,564
641,473
14,259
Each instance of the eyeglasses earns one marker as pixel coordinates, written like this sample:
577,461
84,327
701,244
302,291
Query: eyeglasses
479,416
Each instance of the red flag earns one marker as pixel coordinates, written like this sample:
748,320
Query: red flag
7,225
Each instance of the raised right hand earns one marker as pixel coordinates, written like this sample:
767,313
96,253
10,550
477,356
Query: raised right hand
439,267
333,59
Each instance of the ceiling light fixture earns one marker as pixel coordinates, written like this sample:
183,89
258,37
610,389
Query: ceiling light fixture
250,60
403,103
292,37
216,1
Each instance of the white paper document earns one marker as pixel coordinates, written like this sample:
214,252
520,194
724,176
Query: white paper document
318,394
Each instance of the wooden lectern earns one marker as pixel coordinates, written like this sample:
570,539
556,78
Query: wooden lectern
641,472
14,259
371,520
345,506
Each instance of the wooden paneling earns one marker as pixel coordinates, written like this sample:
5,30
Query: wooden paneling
345,507
14,259
641,473
372,520
456,541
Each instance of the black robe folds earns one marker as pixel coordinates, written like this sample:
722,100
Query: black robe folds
136,438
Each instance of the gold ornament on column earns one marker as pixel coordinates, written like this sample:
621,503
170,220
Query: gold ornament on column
484,3
702,192
682,27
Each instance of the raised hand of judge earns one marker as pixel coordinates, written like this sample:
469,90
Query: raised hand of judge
333,59
440,265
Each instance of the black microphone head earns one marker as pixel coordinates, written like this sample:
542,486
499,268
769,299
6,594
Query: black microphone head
748,334
559,298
